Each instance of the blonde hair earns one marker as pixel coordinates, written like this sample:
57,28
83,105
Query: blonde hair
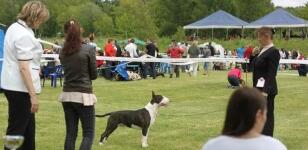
33,12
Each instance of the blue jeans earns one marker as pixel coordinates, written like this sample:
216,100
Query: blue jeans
206,66
73,112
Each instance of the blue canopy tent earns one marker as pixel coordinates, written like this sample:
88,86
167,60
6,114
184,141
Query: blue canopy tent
279,18
218,20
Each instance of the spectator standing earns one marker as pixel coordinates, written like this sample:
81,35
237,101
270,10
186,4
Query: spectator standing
184,46
109,48
119,50
20,77
131,48
264,74
206,53
110,51
302,68
150,50
193,52
213,51
240,52
91,41
175,52
79,64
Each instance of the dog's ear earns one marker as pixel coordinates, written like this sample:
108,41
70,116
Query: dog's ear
153,94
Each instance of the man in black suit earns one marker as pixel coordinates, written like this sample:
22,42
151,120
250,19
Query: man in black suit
264,74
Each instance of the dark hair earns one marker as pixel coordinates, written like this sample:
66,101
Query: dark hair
73,39
132,40
237,65
91,37
110,40
267,31
241,112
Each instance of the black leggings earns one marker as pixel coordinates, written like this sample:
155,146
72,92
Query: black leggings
73,113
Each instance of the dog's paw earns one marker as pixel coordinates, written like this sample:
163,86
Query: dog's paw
145,145
101,143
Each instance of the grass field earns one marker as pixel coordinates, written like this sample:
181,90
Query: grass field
195,114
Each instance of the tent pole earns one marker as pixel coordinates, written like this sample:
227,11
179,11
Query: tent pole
289,33
227,37
242,32
212,33
306,32
196,35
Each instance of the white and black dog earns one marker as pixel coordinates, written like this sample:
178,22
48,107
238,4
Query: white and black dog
142,118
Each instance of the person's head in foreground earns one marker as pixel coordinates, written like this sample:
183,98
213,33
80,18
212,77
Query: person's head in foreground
244,121
34,13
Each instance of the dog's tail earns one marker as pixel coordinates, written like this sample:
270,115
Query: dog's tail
104,115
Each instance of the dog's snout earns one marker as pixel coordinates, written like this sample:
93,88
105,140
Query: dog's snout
165,101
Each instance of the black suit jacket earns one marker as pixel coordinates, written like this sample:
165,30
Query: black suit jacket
266,66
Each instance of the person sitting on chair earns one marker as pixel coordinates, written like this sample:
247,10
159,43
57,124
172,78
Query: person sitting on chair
235,76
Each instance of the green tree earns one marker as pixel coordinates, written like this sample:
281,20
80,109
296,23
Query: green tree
170,14
134,20
9,10
179,35
90,17
250,10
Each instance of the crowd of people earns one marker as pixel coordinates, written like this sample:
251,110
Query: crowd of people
249,121
174,50
191,49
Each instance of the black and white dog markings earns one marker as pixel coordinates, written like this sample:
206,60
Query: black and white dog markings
141,118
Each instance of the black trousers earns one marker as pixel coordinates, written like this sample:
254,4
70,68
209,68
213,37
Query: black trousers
150,66
21,121
269,124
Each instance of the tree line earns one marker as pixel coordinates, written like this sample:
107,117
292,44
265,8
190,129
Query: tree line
138,18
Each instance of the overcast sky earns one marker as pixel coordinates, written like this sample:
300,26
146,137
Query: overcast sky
289,3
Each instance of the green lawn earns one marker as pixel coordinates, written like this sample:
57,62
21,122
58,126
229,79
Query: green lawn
195,114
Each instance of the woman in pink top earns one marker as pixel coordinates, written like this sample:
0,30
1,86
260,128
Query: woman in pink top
235,76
